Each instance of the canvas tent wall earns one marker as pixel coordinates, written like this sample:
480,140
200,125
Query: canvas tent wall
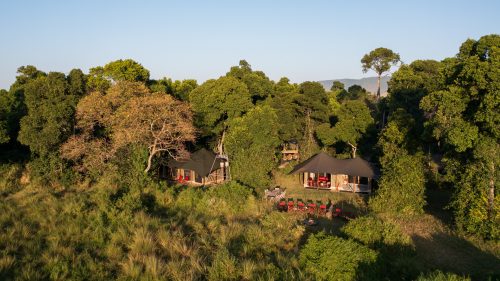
203,167
322,171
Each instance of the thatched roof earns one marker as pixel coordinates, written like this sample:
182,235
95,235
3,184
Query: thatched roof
202,161
324,163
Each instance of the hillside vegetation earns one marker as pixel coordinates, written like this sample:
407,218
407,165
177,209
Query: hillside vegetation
81,197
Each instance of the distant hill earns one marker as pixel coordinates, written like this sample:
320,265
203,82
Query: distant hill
369,83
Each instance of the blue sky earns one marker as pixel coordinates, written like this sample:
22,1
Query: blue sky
302,40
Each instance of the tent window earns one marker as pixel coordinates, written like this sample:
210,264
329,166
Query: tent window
351,179
187,174
198,178
363,180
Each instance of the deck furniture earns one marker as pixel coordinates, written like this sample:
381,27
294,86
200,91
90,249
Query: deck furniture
291,204
322,208
311,206
300,205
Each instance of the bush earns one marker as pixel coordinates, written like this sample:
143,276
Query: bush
371,230
396,253
332,258
440,276
10,175
402,187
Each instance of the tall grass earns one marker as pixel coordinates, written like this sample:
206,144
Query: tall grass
119,229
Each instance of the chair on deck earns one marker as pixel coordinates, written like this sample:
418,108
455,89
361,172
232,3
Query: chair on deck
311,206
282,204
291,204
338,212
300,204
322,208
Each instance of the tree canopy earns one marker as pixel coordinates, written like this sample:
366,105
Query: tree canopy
379,60
216,102
465,117
258,84
100,78
127,114
353,120
251,142
50,108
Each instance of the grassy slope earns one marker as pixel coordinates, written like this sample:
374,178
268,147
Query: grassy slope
61,233
437,245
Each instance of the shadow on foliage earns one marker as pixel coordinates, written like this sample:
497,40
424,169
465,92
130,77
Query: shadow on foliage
454,254
437,201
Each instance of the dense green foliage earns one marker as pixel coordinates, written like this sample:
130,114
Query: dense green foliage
48,121
353,121
100,78
117,231
333,258
440,276
401,187
216,102
251,142
258,84
373,231
465,116
286,103
81,199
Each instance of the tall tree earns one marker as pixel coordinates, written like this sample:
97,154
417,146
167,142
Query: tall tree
337,85
410,83
401,187
315,108
77,83
290,118
353,120
178,89
334,96
50,113
100,78
379,60
251,142
354,92
128,114
12,102
5,109
216,102
258,84
465,117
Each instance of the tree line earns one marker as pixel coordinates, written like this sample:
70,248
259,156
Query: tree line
438,126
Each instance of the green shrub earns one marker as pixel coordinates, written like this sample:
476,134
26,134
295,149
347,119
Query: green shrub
332,258
223,267
440,276
396,252
51,170
402,187
10,175
371,230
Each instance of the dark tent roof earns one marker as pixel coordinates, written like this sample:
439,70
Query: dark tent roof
202,161
319,163
359,167
324,163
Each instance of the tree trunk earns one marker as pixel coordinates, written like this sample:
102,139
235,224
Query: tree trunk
150,161
220,146
354,148
383,120
378,87
308,135
491,193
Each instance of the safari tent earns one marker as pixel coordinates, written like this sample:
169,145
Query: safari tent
202,168
322,171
